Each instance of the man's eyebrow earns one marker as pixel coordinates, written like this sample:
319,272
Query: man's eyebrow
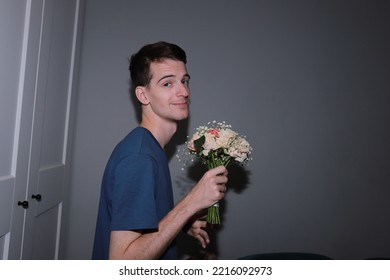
166,76
170,76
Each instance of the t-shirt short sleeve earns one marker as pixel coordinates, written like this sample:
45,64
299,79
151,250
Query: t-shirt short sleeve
133,199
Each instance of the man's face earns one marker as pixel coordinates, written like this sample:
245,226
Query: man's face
168,91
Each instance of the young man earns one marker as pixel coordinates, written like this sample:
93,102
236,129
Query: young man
137,218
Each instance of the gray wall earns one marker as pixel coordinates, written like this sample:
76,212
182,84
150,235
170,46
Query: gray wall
306,81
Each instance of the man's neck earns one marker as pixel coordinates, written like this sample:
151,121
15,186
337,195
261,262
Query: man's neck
162,131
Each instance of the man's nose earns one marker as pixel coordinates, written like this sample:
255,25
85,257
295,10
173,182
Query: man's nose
184,90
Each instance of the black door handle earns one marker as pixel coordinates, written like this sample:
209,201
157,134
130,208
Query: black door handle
38,197
24,204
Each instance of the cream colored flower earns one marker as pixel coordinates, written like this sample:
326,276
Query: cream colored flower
240,150
225,138
210,142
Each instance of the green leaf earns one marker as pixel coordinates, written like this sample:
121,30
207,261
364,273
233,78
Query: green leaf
198,143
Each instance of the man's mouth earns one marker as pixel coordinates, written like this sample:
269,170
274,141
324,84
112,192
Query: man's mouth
182,103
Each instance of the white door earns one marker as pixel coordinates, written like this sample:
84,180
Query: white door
51,124
12,26
43,126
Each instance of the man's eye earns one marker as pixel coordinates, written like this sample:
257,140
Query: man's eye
167,84
185,82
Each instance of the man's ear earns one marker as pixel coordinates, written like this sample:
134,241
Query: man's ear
140,92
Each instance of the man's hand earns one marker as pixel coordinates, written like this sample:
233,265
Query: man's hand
210,189
197,230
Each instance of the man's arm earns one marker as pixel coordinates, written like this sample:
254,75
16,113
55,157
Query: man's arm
151,245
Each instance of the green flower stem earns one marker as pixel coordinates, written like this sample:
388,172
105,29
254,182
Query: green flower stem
213,215
211,162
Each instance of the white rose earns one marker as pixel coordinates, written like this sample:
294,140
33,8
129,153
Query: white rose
225,138
239,150
210,143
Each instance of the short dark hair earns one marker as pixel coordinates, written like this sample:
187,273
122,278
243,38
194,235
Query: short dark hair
140,61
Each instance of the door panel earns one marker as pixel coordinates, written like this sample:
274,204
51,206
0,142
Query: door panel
46,234
50,187
11,14
4,246
6,193
6,198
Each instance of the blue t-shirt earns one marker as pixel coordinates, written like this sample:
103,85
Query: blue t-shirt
136,191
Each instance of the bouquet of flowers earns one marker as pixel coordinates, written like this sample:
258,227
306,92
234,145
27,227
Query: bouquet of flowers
217,144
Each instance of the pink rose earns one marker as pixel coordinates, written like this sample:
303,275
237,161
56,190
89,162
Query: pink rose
213,131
